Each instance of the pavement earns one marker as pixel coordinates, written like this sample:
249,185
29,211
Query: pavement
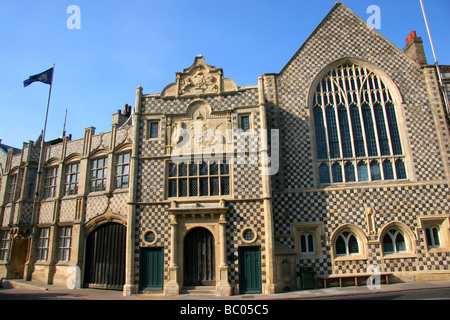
31,290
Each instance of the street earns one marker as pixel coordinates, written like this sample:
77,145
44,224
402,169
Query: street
425,294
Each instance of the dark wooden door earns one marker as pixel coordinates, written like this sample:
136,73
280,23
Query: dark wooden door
199,258
151,276
250,270
105,257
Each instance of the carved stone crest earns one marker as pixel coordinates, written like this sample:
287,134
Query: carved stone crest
200,78
200,83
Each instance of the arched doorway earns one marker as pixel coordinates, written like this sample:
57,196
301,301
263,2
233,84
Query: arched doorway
105,257
18,259
199,258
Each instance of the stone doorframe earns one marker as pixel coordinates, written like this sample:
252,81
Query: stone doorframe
184,218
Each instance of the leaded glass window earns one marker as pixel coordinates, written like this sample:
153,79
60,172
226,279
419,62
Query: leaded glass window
394,242
99,173
346,244
307,243
432,234
356,128
198,179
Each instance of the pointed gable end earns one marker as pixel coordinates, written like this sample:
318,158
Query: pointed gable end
343,34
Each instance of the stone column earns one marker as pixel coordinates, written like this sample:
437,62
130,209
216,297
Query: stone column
269,287
172,288
223,287
130,286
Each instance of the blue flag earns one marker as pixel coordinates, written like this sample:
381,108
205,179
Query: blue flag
45,77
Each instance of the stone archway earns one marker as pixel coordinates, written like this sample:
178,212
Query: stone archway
199,258
105,257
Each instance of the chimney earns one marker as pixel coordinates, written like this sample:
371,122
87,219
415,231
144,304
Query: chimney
120,118
414,49
127,111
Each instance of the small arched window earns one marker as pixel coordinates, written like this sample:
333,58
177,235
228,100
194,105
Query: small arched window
394,242
354,119
346,244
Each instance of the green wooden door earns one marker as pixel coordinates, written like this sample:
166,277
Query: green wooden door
250,270
151,271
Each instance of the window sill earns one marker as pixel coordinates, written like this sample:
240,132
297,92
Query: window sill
363,183
438,250
65,264
121,190
403,255
356,257
200,198
71,197
309,255
97,193
158,139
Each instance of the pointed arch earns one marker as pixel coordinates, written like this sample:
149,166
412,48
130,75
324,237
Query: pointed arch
348,242
355,109
397,231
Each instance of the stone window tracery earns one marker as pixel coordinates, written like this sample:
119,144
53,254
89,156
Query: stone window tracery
356,128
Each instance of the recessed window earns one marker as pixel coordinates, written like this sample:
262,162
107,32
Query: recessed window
248,235
244,122
99,172
346,244
150,237
394,242
64,243
32,176
432,234
123,170
72,178
43,244
307,243
153,129
356,129
198,179
50,182
5,237
12,187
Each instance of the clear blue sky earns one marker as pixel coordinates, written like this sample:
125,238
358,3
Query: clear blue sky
125,44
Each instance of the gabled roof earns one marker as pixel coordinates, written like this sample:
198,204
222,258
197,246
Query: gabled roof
4,149
340,9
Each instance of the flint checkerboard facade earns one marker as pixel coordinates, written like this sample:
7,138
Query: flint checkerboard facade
342,227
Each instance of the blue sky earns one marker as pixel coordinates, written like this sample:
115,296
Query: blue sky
125,44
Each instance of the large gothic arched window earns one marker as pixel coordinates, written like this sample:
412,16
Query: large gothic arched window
356,128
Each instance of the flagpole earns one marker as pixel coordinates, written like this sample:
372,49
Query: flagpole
41,157
31,257
441,83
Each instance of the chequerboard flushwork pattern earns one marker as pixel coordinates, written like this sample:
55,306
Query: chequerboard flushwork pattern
245,208
299,198
235,202
343,35
336,208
